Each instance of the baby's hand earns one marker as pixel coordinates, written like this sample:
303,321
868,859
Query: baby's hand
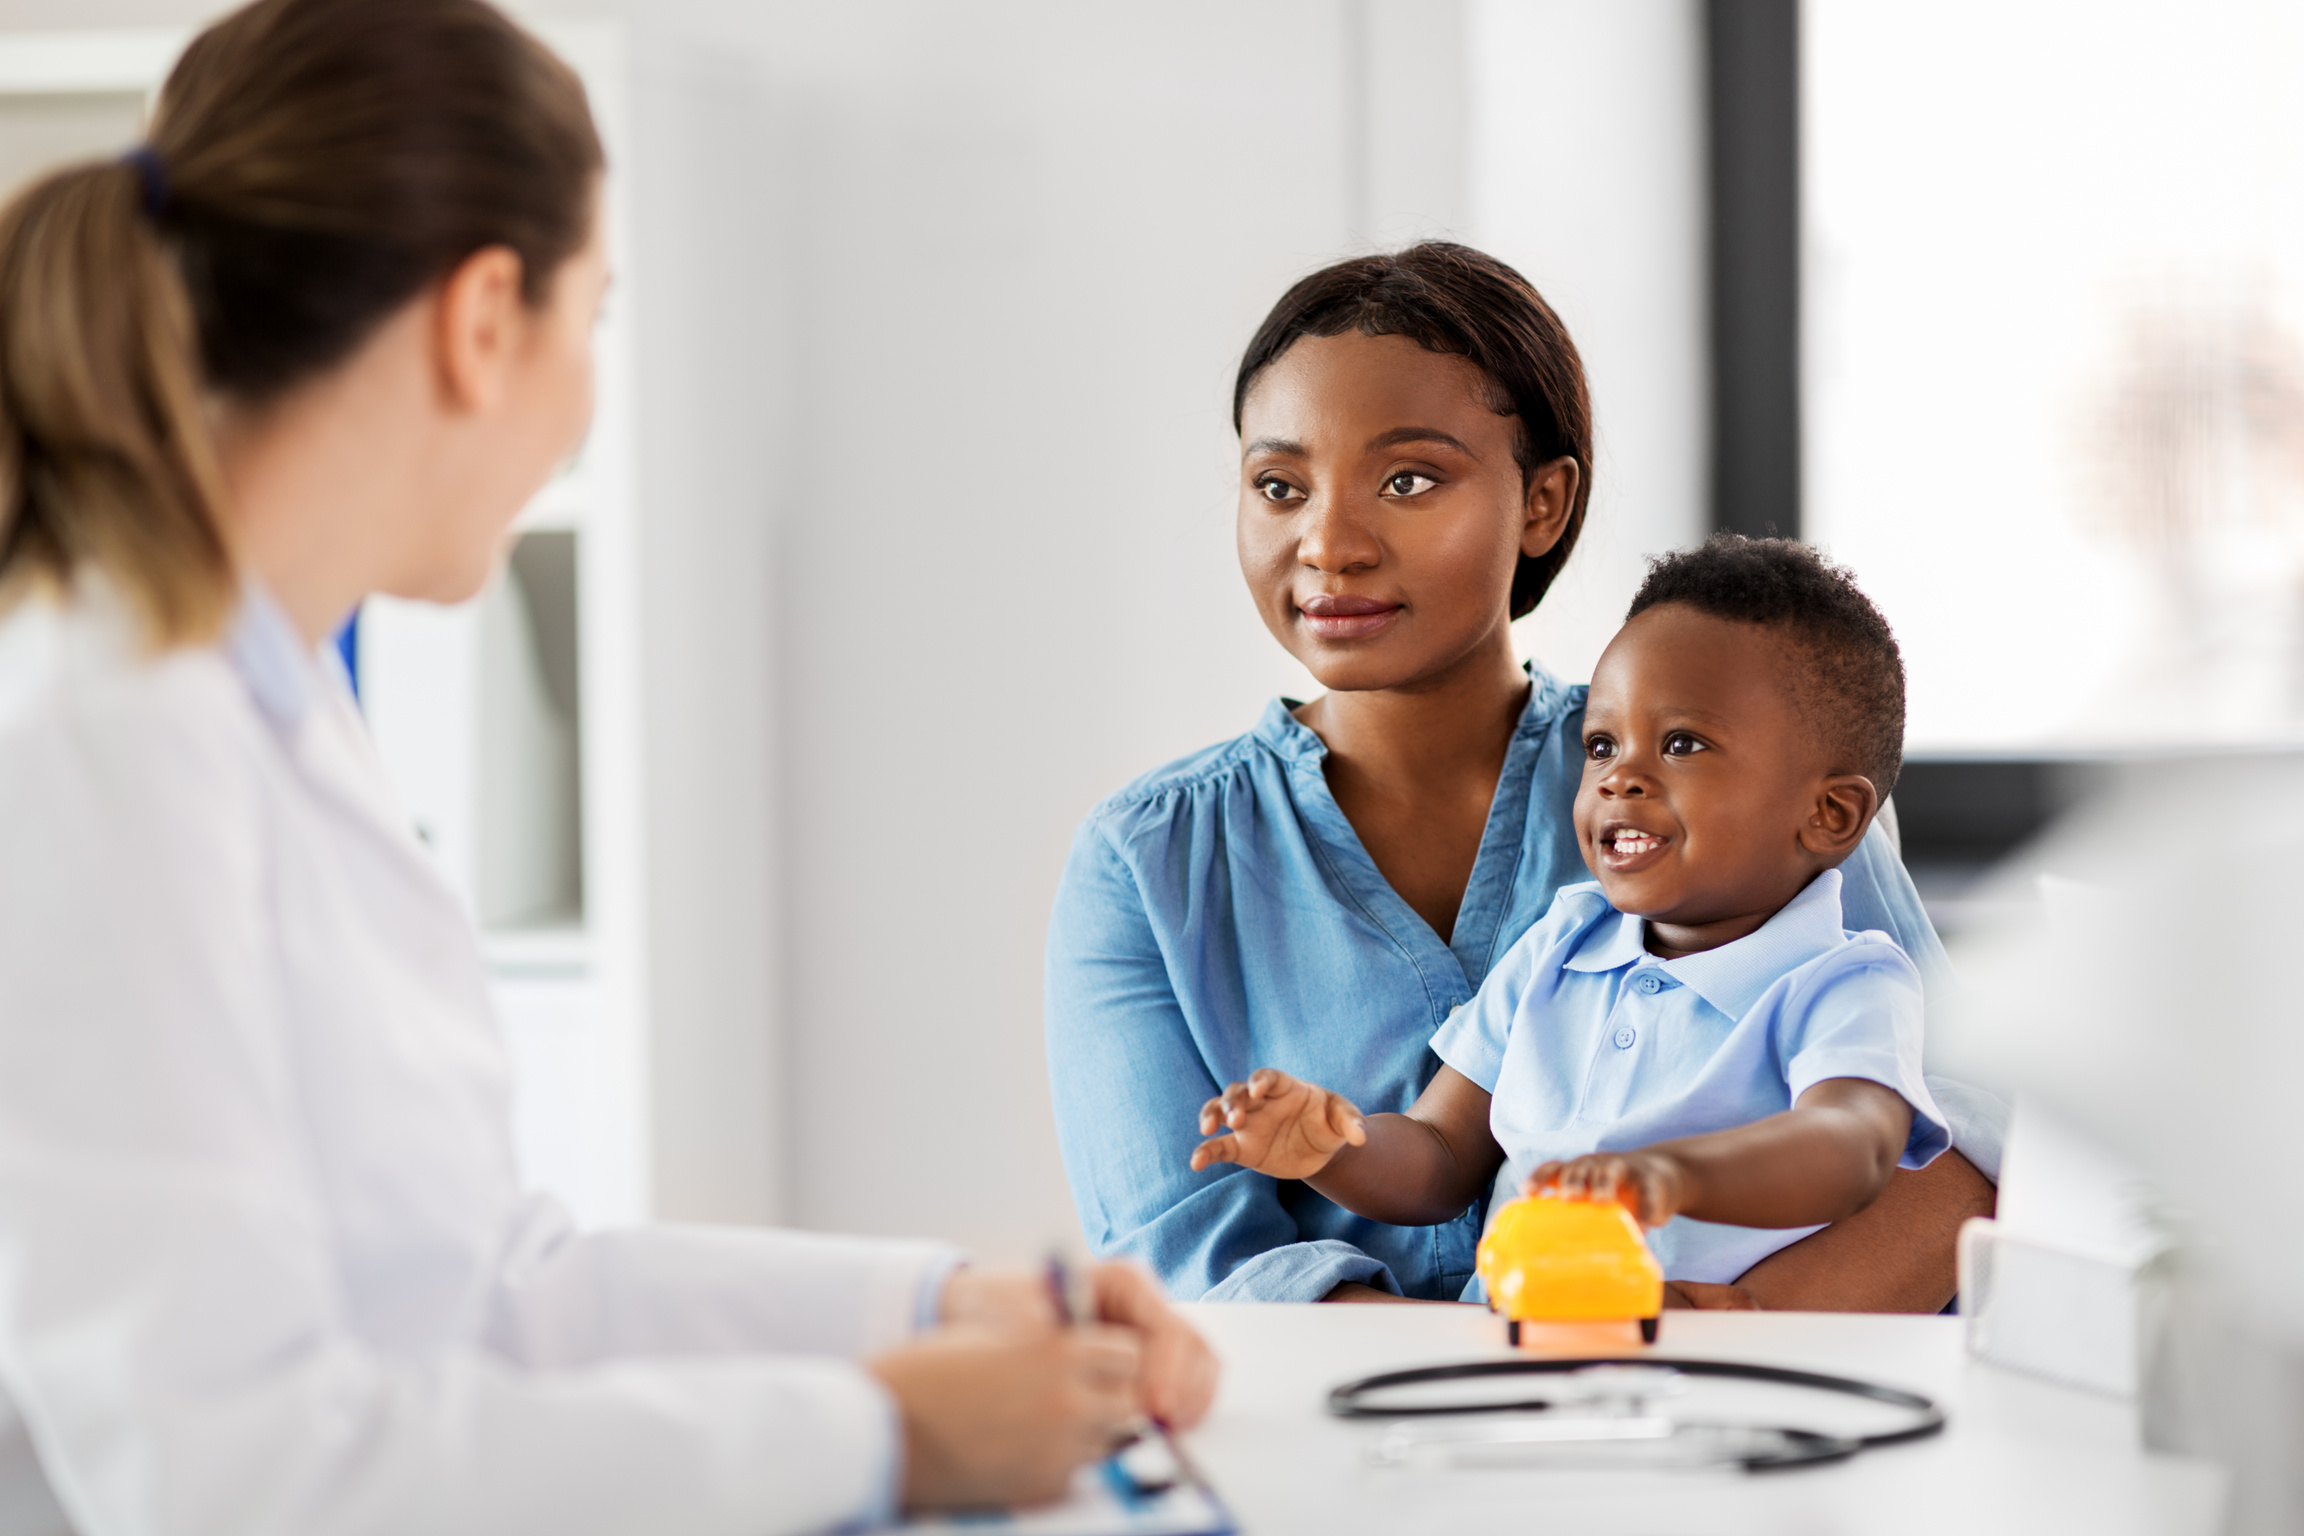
1650,1184
1279,1126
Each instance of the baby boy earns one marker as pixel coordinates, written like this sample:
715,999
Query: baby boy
1694,1033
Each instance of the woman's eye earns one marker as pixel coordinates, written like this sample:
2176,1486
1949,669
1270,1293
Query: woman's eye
1599,748
1681,744
1408,483
1277,490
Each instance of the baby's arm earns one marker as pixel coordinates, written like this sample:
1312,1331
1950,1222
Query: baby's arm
1827,1157
1414,1170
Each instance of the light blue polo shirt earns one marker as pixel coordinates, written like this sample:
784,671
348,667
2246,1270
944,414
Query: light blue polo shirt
1588,1043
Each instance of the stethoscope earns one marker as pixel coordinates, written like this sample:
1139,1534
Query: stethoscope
1602,1417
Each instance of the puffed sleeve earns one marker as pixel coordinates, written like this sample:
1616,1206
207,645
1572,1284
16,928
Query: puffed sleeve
172,1323
1128,1083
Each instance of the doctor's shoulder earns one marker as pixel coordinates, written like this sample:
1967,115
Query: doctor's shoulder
86,699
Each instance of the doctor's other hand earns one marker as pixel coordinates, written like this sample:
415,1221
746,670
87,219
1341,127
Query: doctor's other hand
1278,1125
1178,1380
994,1418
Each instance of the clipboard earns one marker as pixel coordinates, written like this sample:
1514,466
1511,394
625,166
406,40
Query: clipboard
1146,1488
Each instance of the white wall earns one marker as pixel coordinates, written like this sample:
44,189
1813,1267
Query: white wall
1587,173
1001,263
938,308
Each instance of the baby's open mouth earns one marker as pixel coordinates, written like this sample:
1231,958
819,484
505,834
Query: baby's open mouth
1630,842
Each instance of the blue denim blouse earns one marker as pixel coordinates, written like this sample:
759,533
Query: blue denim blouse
1219,915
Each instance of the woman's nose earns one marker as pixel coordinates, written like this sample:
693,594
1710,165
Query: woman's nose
1334,539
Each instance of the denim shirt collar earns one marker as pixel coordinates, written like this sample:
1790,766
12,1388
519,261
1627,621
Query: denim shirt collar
1297,743
1732,977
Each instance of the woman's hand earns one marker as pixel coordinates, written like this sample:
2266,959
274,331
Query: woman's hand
1704,1296
996,1417
1279,1125
1178,1378
1651,1184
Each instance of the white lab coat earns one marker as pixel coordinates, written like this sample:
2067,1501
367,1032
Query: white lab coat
265,1265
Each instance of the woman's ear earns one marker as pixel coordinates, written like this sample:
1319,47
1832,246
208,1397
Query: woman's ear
478,325
1839,816
1551,492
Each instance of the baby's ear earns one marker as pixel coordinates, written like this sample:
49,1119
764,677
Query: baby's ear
1842,809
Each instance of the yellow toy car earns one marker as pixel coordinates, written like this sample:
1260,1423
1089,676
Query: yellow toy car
1549,1259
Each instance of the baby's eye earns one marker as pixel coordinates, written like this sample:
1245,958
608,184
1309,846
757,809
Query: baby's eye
1408,483
1681,744
1275,489
1599,748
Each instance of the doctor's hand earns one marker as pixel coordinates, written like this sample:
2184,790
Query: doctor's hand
995,1417
1180,1371
1277,1124
1178,1380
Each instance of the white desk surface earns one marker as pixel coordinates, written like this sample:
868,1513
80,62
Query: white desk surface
2017,1454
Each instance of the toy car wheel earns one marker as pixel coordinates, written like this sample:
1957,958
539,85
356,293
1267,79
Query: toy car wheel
1512,1333
1648,1329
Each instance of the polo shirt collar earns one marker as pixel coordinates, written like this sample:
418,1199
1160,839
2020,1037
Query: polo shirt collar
1732,977
1611,945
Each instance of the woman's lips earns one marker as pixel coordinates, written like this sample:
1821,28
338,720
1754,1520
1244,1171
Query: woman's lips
1346,618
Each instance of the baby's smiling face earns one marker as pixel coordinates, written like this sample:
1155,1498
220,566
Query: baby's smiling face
1708,799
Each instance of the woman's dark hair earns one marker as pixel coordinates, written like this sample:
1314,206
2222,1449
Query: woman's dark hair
313,166
1453,299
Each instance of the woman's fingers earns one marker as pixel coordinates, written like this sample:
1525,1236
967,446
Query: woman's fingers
1345,1120
1703,1296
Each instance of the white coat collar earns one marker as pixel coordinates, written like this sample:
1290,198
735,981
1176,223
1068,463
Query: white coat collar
281,673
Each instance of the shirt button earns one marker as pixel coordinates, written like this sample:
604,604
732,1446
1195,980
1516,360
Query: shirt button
1625,1037
1650,984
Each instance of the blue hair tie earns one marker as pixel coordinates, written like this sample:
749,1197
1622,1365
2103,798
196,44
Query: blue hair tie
146,159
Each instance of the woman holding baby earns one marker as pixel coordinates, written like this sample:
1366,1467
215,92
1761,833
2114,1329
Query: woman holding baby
1318,897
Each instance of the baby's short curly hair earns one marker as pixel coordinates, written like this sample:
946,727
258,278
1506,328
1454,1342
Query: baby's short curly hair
1852,687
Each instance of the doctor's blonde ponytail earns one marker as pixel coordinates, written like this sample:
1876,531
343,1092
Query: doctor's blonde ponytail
312,167
105,453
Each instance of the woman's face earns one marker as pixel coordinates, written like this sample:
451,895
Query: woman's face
1382,513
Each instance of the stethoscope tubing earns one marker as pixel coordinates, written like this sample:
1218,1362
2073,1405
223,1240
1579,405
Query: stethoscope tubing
1349,1401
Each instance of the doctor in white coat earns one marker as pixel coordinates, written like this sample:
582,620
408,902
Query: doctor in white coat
265,1265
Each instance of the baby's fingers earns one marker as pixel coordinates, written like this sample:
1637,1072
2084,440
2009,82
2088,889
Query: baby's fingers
1216,1149
1212,1117
1545,1177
